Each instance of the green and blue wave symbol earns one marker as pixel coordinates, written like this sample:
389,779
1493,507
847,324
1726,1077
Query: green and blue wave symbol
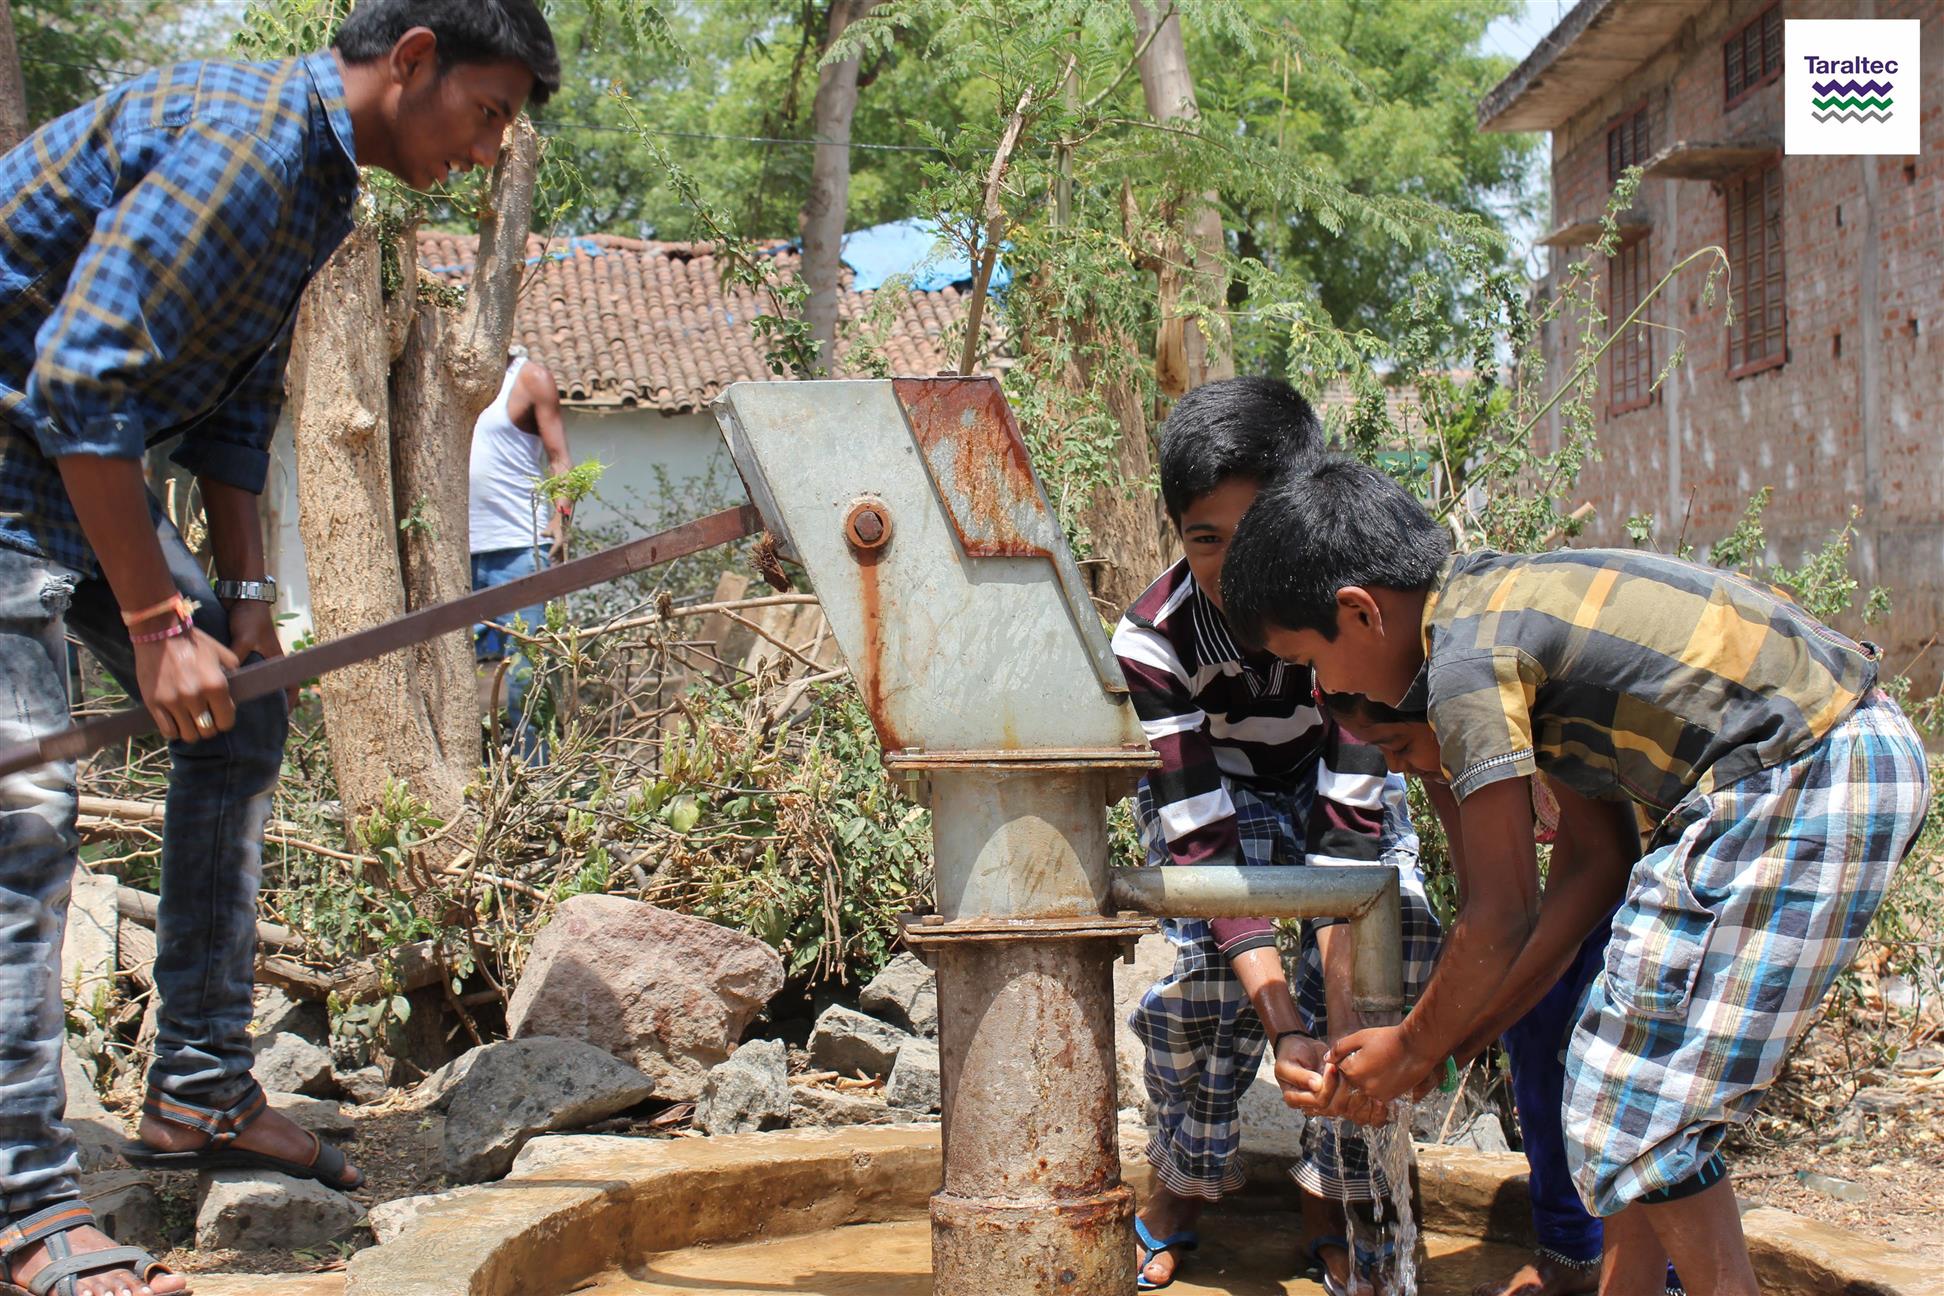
1852,100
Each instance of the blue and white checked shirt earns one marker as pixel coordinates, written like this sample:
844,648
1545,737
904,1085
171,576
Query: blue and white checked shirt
153,247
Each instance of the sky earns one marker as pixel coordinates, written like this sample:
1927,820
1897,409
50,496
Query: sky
1514,36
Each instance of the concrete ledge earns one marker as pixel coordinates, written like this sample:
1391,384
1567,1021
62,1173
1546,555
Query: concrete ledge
581,1205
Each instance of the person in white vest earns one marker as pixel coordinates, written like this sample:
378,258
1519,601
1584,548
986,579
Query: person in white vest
519,440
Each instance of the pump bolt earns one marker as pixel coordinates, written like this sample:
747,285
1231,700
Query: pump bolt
868,524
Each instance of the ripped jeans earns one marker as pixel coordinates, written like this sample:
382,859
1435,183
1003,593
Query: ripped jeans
212,842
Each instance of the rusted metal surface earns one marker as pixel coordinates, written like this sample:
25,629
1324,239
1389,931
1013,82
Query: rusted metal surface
1032,1200
983,474
280,673
1366,894
954,649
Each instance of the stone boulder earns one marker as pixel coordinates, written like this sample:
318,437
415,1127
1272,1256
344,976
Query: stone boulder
321,1116
850,1043
749,1092
905,994
813,1106
263,1211
291,1064
516,1089
667,994
914,1085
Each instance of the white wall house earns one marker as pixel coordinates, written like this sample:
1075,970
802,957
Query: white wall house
640,337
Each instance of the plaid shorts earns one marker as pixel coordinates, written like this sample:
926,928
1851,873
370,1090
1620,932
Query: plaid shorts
1733,929
1204,1042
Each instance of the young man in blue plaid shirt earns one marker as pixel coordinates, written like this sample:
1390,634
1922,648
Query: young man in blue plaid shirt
153,247
1252,772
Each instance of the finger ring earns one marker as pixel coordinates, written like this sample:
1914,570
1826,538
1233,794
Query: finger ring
205,721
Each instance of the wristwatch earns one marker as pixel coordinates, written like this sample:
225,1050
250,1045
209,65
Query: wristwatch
252,591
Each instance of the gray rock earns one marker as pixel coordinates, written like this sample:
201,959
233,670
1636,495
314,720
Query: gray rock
364,1085
83,1101
1880,1101
814,1106
275,1013
850,1043
389,1219
914,1083
1830,1186
905,994
1154,959
665,993
261,1211
749,1092
516,1089
321,1116
88,956
129,1209
291,1064
435,1091
1484,1132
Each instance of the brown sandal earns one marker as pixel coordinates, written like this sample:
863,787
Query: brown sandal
224,1126
64,1265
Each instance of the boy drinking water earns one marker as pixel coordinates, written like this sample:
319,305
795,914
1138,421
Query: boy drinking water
1251,773
1784,785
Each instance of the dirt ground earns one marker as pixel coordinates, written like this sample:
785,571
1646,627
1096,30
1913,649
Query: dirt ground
1853,1135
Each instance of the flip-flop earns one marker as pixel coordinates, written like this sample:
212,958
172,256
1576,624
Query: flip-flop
65,1266
325,1164
1319,1271
1186,1240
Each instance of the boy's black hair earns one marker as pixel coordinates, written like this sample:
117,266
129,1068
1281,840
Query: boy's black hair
1329,524
469,31
1238,427
1355,707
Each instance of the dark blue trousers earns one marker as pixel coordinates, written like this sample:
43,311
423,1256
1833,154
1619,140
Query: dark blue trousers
1535,1045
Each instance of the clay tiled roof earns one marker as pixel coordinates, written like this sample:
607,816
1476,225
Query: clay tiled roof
624,322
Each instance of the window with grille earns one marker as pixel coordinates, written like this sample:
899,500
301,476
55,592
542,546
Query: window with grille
1627,143
1757,339
1752,57
1631,382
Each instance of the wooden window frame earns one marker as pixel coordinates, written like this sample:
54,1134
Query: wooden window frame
1736,99
1780,356
1624,121
1634,254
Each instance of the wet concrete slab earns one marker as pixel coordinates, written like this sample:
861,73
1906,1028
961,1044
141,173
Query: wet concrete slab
1240,1257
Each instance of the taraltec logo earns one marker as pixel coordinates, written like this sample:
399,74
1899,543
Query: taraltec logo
1851,100
1840,79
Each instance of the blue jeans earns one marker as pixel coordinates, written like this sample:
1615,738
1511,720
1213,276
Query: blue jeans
212,856
1535,1045
491,643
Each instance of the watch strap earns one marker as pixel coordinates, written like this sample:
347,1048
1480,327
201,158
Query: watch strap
255,591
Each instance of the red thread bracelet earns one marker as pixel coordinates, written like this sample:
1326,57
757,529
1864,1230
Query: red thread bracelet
174,630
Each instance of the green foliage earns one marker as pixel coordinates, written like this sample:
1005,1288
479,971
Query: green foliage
72,50
572,486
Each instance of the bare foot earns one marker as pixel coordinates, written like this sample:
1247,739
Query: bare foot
1323,1218
115,1282
1541,1277
271,1133
1166,1214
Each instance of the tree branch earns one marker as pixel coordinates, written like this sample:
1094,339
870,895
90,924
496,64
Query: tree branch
995,219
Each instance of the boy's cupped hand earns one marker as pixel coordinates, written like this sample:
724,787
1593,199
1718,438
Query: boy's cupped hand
1379,1066
1313,1084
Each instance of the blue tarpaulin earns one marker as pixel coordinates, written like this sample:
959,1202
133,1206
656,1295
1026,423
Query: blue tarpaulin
914,249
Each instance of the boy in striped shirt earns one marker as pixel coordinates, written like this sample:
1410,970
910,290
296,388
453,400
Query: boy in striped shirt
1252,772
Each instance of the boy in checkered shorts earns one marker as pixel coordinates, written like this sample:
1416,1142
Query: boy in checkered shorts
1252,772
1785,788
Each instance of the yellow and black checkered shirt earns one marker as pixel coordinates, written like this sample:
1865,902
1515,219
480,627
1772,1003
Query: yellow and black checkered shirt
1618,671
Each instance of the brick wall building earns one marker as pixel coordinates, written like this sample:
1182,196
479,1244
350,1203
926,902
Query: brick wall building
1827,387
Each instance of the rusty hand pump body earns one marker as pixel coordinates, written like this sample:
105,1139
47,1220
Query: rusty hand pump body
948,585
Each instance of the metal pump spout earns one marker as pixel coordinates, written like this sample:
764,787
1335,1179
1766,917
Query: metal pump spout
947,582
1365,894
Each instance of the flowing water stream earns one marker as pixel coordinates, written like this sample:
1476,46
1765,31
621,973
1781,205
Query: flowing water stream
1391,1235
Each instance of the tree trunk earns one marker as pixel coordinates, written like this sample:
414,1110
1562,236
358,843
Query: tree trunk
828,202
383,436
1132,541
1186,356
13,85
